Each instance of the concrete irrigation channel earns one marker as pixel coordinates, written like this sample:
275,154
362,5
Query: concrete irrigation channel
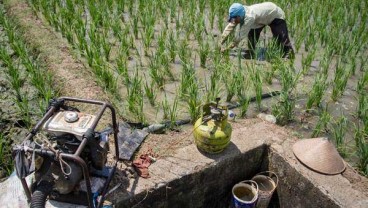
191,178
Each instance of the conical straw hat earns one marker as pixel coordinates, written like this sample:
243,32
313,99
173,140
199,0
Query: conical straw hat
320,155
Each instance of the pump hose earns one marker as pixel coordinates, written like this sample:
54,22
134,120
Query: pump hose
186,121
40,194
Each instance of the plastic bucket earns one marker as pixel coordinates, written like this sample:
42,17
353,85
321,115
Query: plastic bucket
245,194
267,182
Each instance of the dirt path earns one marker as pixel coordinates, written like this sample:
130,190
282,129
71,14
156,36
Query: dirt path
70,75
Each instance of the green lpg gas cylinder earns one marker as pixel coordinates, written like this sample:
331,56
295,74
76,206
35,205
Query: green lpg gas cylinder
212,132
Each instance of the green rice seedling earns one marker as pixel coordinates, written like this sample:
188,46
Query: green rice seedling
318,89
5,57
241,83
204,49
150,93
165,108
20,49
184,51
140,110
274,51
339,128
122,69
148,36
161,42
200,27
106,48
244,104
164,63
360,137
193,102
212,14
187,79
130,5
109,80
9,29
171,46
214,89
22,103
230,83
134,92
362,91
156,74
5,153
284,109
322,123
173,113
134,25
340,81
255,76
14,76
307,60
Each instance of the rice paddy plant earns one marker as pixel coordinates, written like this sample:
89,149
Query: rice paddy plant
110,81
322,123
274,51
187,79
231,83
212,14
156,74
122,68
340,81
134,25
361,137
161,42
241,83
194,102
284,109
148,35
22,103
339,128
362,90
134,92
106,48
273,54
6,164
244,105
165,108
173,112
214,90
14,77
184,51
204,49
318,89
307,60
200,27
255,77
171,46
150,93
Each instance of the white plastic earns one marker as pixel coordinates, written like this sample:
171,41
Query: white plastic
57,124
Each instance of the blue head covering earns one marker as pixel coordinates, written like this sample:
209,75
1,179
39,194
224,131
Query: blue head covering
235,10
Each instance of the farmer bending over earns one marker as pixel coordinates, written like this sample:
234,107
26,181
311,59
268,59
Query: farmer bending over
251,20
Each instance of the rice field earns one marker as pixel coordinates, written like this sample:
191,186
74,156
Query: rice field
25,86
160,61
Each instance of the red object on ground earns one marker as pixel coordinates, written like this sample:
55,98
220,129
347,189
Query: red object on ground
141,165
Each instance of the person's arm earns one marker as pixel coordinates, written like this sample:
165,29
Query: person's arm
227,31
243,31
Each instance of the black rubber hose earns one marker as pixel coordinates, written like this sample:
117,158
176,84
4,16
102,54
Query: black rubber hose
252,99
186,121
40,194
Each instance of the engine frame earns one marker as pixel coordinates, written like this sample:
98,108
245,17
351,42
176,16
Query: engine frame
54,108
